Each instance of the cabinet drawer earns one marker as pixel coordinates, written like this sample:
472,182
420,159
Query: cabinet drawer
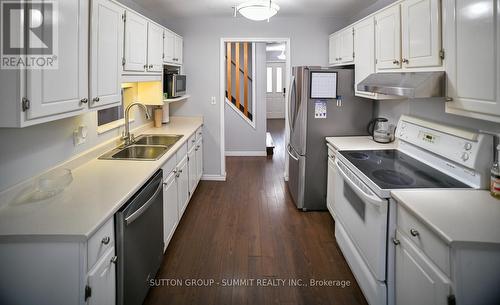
435,248
191,141
181,152
100,242
169,166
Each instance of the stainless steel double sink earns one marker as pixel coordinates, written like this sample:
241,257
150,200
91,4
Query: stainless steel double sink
148,147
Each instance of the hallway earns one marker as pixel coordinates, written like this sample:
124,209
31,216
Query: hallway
248,228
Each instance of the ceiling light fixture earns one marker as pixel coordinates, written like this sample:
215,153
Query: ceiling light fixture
257,10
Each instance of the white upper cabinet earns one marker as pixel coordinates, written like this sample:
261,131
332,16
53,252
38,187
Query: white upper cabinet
472,43
136,42
331,50
172,48
179,48
388,38
155,48
347,46
364,48
64,90
169,46
421,33
341,47
106,47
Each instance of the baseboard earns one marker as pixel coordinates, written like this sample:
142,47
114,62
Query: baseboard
275,115
250,153
213,177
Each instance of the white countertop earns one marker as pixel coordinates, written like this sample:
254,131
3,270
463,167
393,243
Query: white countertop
456,216
98,190
358,143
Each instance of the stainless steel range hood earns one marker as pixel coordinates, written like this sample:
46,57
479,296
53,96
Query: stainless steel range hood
407,84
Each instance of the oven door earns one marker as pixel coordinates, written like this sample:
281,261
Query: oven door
364,217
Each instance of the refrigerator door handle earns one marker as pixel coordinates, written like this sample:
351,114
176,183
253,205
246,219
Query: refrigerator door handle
290,153
293,92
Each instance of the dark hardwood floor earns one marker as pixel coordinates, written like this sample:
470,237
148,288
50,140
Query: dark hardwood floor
248,228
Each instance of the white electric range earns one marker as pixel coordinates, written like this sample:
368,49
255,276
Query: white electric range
429,155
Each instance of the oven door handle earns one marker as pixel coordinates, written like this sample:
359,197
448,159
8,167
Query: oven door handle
130,219
371,198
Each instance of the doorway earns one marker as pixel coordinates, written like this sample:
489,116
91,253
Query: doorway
282,76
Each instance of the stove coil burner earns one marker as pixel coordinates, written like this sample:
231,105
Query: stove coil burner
359,155
393,177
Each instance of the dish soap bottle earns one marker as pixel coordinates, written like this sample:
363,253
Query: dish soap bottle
495,177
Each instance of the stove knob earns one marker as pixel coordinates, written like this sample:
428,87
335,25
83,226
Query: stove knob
465,156
467,146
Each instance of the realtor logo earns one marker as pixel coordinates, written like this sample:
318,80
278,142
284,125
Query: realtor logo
29,35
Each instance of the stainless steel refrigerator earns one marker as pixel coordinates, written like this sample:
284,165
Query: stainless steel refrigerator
318,110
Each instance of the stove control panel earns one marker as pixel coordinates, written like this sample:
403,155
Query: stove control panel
471,150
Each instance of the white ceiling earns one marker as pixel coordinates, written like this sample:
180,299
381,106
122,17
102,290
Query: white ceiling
194,8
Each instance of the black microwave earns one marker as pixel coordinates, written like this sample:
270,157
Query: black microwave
174,85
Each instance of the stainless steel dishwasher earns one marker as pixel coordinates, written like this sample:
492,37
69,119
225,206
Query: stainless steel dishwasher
139,230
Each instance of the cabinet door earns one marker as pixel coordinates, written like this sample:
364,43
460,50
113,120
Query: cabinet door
182,186
472,41
179,44
106,54
364,48
170,208
421,33
347,45
388,38
199,159
64,89
136,42
155,48
418,280
169,47
102,280
192,173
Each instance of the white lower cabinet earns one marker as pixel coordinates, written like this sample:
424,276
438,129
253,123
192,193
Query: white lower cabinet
102,280
199,159
418,280
182,186
192,170
170,208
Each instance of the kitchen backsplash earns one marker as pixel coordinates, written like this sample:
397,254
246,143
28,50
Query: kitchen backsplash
432,109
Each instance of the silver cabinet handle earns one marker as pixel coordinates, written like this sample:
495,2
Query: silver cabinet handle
395,241
105,240
180,171
84,101
145,66
177,175
114,259
405,61
414,232
96,99
396,62
150,66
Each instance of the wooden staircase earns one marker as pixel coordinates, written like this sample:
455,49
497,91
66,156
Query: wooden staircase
239,68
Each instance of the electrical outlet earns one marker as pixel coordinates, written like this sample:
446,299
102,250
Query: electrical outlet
80,135
213,101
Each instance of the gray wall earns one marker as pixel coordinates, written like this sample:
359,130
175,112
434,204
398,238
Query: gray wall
369,10
240,136
432,109
309,46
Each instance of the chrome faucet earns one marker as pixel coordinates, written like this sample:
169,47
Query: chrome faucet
127,136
